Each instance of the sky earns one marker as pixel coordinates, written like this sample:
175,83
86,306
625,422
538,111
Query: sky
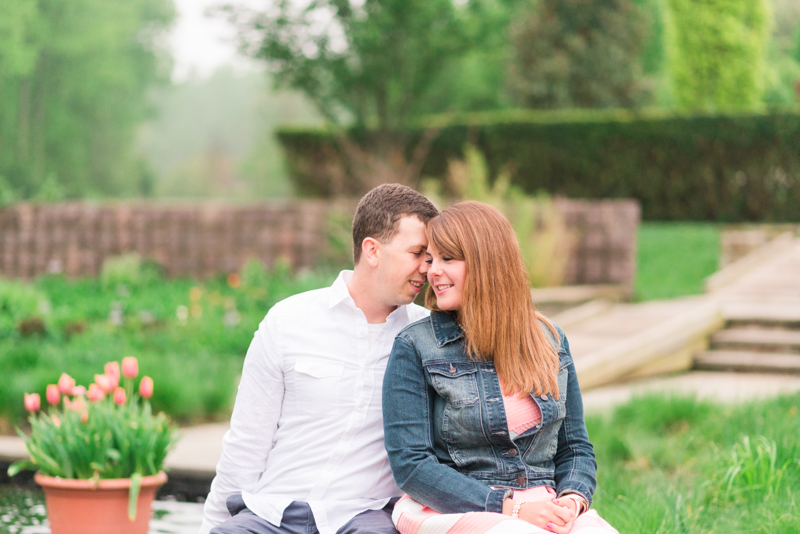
201,44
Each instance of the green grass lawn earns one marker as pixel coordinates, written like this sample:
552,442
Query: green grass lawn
673,259
675,466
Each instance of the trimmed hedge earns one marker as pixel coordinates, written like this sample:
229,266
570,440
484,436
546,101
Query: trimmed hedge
743,167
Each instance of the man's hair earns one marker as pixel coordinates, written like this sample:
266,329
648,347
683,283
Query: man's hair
379,212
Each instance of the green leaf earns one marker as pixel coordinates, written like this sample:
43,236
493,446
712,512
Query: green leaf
20,465
133,495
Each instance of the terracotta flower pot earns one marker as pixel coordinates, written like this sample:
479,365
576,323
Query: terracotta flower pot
97,507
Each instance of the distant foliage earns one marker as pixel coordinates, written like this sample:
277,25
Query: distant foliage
680,167
371,64
73,77
717,52
580,53
19,303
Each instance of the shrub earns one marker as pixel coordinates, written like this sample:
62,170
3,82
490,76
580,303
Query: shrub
743,167
19,304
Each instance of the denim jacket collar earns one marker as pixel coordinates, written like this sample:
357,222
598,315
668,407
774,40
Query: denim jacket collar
445,328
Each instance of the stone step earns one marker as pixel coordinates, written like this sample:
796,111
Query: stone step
764,323
738,315
747,362
757,340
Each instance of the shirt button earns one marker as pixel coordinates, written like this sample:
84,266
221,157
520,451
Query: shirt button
521,481
452,370
512,452
544,397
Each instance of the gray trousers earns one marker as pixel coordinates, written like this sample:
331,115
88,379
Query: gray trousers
298,519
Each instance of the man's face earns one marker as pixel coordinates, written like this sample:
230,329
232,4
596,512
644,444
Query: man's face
401,267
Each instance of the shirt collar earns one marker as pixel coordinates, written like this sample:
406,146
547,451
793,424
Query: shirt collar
339,293
445,328
339,290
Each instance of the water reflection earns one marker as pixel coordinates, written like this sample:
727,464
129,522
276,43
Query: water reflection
22,511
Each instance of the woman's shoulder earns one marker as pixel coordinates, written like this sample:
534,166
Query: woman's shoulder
417,330
551,329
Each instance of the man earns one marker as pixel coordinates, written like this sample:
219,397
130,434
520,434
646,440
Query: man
305,449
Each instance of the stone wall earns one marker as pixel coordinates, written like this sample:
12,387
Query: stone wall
204,239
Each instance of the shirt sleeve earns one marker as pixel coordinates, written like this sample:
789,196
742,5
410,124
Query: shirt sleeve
247,444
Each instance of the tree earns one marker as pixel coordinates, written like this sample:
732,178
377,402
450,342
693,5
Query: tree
73,82
716,51
579,53
365,65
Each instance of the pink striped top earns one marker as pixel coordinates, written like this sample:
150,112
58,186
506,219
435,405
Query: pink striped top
522,413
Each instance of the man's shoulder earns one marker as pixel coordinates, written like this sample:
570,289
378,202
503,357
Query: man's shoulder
300,304
416,312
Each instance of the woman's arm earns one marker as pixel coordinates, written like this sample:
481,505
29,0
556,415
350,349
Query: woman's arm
575,465
407,413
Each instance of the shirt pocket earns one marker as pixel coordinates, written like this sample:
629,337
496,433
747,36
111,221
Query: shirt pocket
317,386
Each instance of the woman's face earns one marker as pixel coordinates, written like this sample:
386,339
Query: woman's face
446,277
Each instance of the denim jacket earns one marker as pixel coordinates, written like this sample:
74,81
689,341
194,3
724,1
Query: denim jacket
446,431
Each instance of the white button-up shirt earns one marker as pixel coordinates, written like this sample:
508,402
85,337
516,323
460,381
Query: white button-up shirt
307,424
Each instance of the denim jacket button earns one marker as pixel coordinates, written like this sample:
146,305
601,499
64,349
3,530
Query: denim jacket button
512,452
521,481
544,397
452,370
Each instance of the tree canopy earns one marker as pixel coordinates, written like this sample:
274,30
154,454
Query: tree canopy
73,81
717,51
580,53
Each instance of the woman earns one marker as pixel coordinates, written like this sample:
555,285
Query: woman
482,409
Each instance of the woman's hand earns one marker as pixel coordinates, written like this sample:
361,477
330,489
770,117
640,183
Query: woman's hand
548,515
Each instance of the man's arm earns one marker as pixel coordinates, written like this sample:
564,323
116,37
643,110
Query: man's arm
247,444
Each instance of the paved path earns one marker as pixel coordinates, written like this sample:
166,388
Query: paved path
625,338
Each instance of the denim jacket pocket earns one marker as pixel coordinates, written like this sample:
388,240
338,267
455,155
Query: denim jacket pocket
455,382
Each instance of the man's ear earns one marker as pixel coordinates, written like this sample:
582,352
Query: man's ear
370,251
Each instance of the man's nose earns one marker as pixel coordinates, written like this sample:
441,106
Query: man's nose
423,267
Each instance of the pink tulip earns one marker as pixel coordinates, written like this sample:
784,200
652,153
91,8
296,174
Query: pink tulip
65,384
33,402
104,383
84,416
112,369
113,380
78,391
130,367
78,404
56,421
119,396
146,387
53,395
95,393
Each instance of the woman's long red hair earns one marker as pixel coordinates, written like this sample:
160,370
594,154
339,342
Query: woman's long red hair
497,313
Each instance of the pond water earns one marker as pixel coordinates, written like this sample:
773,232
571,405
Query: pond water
22,511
